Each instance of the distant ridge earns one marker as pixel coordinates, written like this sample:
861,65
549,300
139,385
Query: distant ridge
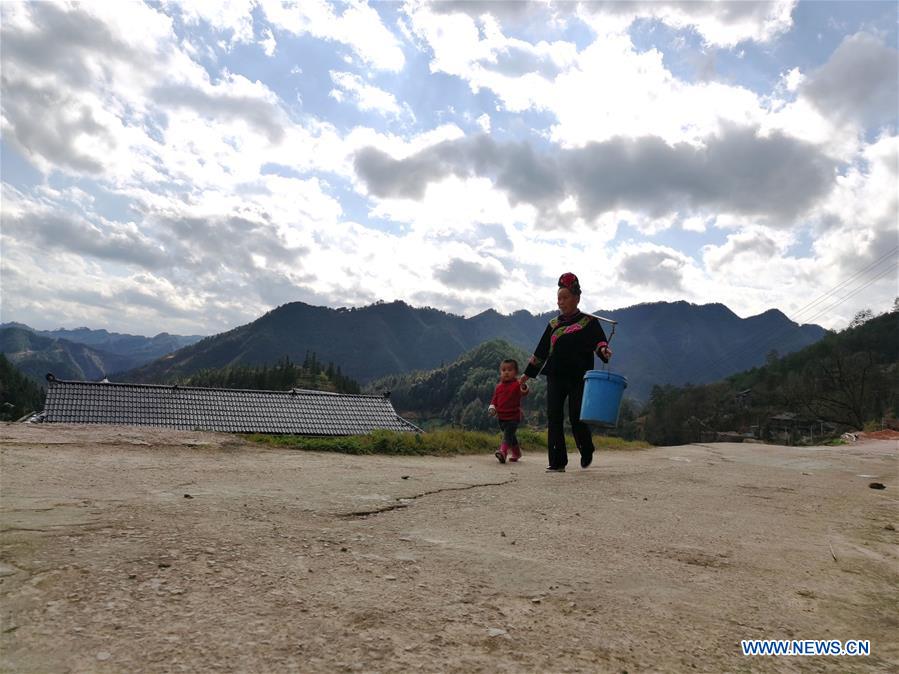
35,356
82,353
655,343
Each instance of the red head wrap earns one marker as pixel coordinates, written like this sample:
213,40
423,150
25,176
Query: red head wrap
569,280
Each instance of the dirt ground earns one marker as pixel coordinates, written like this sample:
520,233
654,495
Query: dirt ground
131,550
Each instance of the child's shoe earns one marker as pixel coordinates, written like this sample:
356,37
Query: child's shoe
501,453
514,453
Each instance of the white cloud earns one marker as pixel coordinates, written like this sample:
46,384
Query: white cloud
610,89
606,90
792,79
858,224
127,112
722,24
747,249
454,205
268,43
694,224
366,96
852,228
616,91
647,265
205,197
53,288
358,27
234,16
518,71
866,194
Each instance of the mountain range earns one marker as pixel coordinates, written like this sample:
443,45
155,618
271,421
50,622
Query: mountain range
82,353
656,343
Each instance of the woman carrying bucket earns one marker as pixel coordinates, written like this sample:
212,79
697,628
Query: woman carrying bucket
564,354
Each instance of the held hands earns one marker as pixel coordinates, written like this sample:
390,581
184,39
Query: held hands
491,410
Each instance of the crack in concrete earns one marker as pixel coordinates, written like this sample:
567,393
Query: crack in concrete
404,501
9,529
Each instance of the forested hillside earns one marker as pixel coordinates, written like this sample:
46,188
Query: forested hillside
460,392
845,381
281,376
19,395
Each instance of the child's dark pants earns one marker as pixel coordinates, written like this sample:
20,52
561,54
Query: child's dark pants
509,429
557,389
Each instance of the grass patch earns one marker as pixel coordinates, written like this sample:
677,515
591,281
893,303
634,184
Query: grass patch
438,442
611,442
441,443
533,439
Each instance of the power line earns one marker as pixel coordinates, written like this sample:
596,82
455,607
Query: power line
853,293
750,343
845,282
784,331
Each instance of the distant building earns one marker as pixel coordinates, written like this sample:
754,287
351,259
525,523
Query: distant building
791,428
744,399
295,412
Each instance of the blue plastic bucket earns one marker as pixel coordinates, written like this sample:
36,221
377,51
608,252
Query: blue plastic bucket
602,398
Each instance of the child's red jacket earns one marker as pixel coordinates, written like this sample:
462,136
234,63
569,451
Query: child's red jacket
507,400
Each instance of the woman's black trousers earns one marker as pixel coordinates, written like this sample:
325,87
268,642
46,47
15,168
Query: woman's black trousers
557,390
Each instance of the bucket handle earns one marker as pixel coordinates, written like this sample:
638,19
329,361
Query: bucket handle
613,323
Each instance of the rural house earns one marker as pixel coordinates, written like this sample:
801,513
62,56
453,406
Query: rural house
296,411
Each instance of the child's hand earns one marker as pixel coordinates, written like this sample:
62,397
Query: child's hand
491,411
524,388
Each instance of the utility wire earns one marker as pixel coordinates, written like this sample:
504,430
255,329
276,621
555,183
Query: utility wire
785,330
750,344
845,282
853,293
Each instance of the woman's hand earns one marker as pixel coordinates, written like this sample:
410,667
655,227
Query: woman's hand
605,353
522,381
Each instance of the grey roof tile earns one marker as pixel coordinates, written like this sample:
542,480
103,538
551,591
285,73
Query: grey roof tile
297,411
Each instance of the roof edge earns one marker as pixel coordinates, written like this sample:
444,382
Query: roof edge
177,387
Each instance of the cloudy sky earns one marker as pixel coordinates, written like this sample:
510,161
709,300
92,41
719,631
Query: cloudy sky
188,166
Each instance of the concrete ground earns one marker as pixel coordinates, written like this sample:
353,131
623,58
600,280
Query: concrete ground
136,550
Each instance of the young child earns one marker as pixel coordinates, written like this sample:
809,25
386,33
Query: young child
506,407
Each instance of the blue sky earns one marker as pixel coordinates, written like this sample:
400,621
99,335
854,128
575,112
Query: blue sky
187,167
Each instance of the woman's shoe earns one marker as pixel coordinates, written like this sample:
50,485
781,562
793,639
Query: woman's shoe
550,469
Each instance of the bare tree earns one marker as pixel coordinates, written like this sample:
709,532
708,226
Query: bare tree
861,318
842,391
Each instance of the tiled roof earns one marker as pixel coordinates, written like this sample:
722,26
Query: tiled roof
296,411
